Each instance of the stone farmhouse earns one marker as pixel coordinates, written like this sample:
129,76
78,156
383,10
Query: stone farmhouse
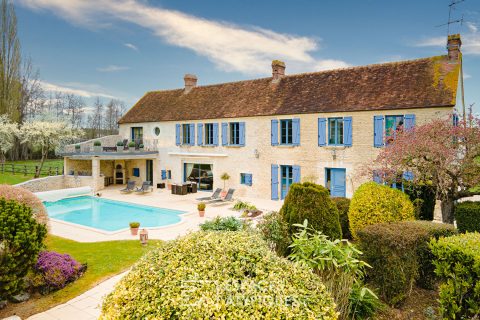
269,133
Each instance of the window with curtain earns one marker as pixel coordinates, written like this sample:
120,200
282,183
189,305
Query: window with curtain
186,133
208,133
234,133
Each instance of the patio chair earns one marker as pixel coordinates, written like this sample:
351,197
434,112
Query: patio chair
228,197
130,187
146,187
215,195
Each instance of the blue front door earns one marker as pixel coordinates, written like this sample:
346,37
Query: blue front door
335,181
286,175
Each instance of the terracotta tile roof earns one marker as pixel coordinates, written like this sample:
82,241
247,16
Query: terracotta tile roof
429,82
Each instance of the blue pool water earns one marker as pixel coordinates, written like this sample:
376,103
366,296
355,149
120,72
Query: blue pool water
109,215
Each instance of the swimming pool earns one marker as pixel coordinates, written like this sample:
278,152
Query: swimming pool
110,215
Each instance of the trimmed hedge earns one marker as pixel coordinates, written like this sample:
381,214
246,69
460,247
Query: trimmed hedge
21,239
311,202
28,198
223,224
457,262
343,205
400,257
467,215
218,275
275,231
374,203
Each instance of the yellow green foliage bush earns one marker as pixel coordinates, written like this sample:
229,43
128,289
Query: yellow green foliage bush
457,262
374,203
218,275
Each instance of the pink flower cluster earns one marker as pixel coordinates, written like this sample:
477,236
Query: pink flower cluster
58,269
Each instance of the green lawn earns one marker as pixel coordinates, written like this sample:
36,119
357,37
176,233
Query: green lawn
104,260
9,178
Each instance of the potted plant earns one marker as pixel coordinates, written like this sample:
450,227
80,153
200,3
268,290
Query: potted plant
120,146
97,146
201,209
77,148
141,147
225,176
131,145
134,226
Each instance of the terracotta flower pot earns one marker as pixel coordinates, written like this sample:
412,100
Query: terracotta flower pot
169,186
134,231
223,193
201,213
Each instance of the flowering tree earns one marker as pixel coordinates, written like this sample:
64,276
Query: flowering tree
437,153
47,136
8,132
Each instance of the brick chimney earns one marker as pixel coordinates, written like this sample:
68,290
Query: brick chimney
278,70
453,46
190,82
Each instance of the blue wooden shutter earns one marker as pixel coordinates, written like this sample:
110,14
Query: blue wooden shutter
378,131
200,134
177,134
296,174
191,127
242,133
296,132
347,131
224,133
248,179
215,134
377,177
322,132
409,121
275,134
408,175
164,174
274,182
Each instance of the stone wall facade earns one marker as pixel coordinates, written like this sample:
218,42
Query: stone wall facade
56,183
312,159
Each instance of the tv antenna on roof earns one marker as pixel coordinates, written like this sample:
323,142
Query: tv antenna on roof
451,7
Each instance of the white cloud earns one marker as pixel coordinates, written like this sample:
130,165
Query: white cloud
230,47
51,87
470,41
131,46
466,76
330,64
112,68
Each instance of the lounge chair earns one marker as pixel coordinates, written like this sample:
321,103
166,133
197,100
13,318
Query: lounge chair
228,197
146,187
215,195
130,187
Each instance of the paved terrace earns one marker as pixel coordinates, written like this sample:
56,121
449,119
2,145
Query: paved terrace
164,199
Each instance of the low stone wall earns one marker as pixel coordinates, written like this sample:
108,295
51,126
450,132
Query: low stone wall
59,182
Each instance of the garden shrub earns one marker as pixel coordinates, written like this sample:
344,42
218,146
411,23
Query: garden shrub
27,198
218,275
309,201
223,224
275,231
467,215
423,195
21,239
338,264
57,270
343,204
457,262
400,257
374,203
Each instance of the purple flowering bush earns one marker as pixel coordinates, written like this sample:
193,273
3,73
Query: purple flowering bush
57,270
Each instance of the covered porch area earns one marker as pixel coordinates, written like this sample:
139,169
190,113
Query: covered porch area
114,169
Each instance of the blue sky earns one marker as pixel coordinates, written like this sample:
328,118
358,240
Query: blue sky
124,48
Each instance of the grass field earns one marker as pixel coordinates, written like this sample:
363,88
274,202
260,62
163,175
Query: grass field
9,178
104,260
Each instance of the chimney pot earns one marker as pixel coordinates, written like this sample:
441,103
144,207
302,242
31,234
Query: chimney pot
278,70
190,82
453,46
